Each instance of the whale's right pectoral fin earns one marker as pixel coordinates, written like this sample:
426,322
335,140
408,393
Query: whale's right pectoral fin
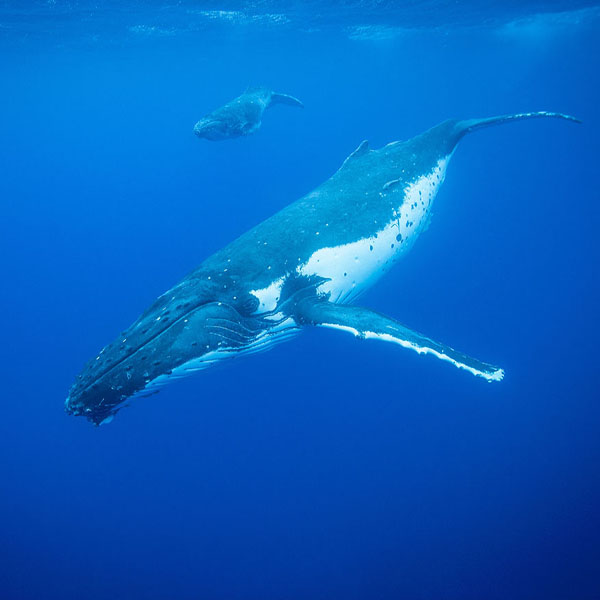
285,99
367,324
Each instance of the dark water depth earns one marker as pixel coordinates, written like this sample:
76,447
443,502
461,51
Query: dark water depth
328,467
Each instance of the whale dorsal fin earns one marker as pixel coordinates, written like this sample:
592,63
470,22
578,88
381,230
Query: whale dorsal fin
363,148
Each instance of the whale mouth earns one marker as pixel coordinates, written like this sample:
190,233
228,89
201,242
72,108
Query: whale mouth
96,414
203,126
78,408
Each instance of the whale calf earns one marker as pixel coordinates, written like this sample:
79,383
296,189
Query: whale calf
302,267
241,116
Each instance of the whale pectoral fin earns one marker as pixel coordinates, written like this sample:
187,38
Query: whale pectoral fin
285,99
367,324
249,126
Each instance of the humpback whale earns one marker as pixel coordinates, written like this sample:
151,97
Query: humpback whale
241,116
302,267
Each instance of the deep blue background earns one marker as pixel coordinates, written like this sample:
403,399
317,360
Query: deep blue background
328,467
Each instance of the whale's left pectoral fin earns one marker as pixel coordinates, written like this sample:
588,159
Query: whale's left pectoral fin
249,127
367,324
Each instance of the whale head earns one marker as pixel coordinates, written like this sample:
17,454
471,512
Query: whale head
210,128
183,332
170,335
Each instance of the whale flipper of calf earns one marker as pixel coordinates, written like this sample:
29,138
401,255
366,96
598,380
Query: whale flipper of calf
301,267
241,116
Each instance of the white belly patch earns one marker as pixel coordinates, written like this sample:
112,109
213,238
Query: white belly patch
351,267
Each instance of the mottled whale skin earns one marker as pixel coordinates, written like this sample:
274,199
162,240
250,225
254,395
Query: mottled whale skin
241,116
301,267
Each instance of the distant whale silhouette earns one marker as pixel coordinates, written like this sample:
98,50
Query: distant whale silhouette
301,267
241,116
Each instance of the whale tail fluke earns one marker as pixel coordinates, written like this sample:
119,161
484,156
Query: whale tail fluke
285,99
469,125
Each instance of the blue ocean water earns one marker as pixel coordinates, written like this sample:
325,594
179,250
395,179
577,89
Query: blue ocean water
328,467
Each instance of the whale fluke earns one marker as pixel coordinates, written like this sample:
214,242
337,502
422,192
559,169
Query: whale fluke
469,125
